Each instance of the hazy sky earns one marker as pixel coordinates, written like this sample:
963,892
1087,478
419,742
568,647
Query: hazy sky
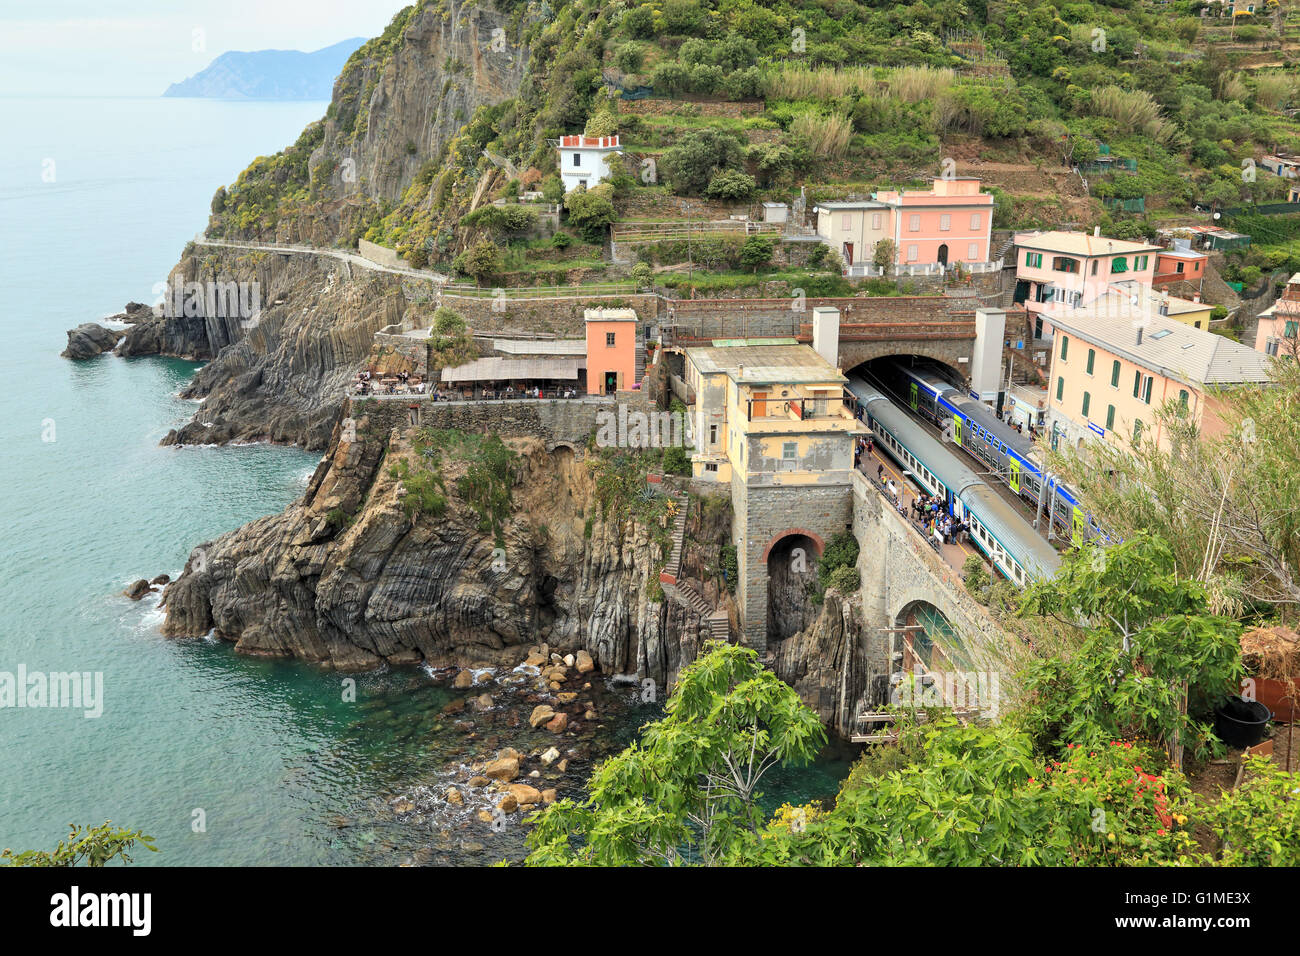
138,47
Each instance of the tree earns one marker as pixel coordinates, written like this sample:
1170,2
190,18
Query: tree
688,788
882,257
480,261
591,210
698,156
731,184
93,846
1152,658
757,251
1224,504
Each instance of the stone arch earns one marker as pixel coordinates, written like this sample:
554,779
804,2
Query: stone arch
946,351
562,443
816,539
790,563
956,371
939,646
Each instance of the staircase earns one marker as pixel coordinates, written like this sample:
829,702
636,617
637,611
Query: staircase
1005,249
640,357
669,579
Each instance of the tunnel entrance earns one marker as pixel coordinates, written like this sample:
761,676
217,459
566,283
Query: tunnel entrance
791,582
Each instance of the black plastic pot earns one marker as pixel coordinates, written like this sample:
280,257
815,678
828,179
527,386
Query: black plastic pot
1241,723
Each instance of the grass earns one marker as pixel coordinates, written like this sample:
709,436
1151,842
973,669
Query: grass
828,136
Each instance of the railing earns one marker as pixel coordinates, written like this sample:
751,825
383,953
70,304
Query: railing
682,229
466,290
867,270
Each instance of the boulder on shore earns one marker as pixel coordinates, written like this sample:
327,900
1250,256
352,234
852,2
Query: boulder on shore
89,340
138,590
503,768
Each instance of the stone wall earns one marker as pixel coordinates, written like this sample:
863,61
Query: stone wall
899,569
381,255
763,516
561,316
566,422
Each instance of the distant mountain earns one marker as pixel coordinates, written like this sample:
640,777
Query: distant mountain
270,74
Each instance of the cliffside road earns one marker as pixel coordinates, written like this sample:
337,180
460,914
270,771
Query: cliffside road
352,258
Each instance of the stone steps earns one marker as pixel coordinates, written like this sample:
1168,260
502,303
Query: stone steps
719,623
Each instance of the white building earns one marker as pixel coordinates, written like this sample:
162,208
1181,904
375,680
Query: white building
584,160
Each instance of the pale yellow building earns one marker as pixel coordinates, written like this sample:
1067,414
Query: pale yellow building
1110,376
771,412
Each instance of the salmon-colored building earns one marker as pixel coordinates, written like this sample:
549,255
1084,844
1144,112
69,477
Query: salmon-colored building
1180,264
950,222
1110,376
612,343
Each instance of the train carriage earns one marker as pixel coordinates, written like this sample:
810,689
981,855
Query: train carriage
1005,538
1008,454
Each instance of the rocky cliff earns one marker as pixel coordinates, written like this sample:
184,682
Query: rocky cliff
348,578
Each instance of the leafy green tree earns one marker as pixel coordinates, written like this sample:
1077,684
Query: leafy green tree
1152,658
756,252
688,789
591,211
697,157
480,261
92,846
731,184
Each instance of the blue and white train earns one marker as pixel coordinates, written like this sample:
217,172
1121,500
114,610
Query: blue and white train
997,529
1004,451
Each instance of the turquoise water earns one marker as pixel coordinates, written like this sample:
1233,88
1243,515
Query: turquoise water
268,754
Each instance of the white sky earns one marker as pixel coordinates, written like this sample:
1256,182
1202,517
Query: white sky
138,47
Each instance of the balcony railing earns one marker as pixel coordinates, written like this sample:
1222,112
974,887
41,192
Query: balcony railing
865,270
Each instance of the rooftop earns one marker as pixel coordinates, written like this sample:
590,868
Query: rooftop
1169,347
608,315
1081,244
749,364
589,142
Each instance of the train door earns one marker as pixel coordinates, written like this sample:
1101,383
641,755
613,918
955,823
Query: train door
1078,528
1013,479
956,430
912,396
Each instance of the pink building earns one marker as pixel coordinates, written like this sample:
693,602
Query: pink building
1280,322
1074,270
949,223
611,350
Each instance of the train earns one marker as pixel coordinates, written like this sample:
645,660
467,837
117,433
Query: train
1010,543
1007,453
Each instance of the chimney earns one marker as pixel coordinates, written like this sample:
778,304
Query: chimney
1139,341
1096,231
826,333
740,370
1196,297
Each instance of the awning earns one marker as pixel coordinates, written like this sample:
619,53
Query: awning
496,369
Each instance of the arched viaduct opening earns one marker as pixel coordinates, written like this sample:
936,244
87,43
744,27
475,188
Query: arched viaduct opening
791,557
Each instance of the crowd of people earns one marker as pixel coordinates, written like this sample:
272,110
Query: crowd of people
931,512
403,383
400,384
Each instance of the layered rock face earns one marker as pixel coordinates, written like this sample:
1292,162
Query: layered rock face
354,592
284,377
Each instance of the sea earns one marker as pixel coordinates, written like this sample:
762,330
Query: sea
223,759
